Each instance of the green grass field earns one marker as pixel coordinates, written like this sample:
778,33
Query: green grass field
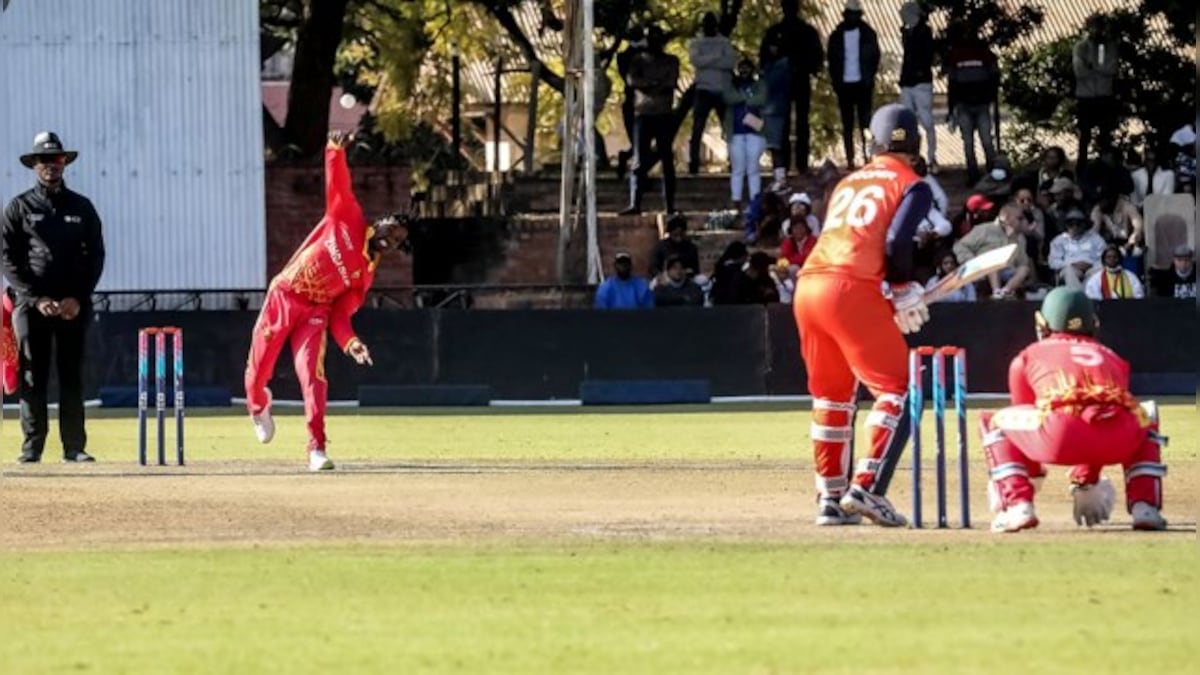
782,596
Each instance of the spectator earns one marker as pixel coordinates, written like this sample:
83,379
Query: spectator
916,73
676,244
1180,280
973,75
798,245
637,44
1053,167
712,58
1008,228
653,74
727,273
1151,178
853,63
1035,232
676,289
1065,196
777,71
997,185
1075,253
1118,221
1095,62
765,217
1109,175
946,266
757,285
978,209
624,290
746,97
800,211
800,43
1184,140
53,256
933,231
1112,281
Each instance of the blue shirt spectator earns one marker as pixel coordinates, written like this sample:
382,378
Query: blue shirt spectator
623,290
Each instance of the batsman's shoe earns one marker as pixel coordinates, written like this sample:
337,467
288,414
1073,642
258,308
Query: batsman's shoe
875,508
319,461
1147,517
831,513
1019,516
264,425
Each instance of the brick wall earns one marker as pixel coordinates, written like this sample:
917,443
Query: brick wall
296,200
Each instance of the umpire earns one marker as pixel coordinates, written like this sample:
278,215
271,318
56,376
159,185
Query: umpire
53,257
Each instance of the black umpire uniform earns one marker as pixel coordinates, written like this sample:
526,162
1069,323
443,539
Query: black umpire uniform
53,256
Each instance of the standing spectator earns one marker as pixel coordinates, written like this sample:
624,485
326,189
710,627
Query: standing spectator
778,75
637,44
1095,61
800,211
53,256
745,97
946,265
853,63
1075,254
1112,281
916,73
712,58
676,288
653,74
1008,228
1151,178
676,244
624,290
973,76
1180,280
800,43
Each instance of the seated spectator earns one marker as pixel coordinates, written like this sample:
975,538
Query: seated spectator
1075,254
936,222
624,290
1180,280
1053,167
1008,228
979,209
1035,231
1151,178
675,289
677,243
1109,175
1065,196
947,263
727,274
1184,141
799,243
1117,220
1112,281
757,285
800,210
996,185
765,216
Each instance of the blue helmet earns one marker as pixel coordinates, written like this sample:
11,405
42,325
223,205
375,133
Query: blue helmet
894,129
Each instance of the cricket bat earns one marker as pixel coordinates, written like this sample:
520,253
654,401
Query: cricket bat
971,271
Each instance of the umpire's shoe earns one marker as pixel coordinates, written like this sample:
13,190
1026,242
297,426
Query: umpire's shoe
29,457
80,456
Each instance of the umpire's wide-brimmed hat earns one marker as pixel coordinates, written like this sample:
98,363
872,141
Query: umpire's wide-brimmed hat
47,143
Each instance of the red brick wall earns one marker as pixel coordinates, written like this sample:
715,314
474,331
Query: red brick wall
296,200
533,248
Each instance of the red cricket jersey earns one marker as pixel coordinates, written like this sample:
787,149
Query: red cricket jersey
853,239
1070,373
8,347
333,266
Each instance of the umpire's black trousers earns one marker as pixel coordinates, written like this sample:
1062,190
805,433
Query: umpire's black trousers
38,337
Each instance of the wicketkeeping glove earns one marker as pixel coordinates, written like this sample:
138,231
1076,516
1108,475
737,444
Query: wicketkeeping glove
1093,503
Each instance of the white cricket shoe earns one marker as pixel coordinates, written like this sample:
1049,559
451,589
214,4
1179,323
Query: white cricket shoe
1147,517
830,513
319,461
264,426
875,508
1019,516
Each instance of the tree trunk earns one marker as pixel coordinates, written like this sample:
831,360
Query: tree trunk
312,75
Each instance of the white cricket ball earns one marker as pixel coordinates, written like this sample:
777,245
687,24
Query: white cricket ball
347,101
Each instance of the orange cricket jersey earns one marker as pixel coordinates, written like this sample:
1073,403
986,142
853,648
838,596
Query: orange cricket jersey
853,239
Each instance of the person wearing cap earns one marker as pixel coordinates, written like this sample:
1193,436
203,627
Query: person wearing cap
1075,253
854,57
1065,196
1071,406
800,211
1180,280
1094,59
53,257
1008,228
1112,281
623,290
678,244
852,332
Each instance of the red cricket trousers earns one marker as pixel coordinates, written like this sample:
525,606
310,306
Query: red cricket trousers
286,317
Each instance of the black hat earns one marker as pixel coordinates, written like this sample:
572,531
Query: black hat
47,143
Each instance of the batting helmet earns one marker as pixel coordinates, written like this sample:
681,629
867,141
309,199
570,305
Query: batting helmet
894,129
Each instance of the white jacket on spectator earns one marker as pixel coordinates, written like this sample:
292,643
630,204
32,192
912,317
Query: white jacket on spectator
936,221
1094,286
1067,251
1163,183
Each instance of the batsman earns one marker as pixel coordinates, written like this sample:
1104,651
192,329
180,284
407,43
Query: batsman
1071,406
319,290
854,300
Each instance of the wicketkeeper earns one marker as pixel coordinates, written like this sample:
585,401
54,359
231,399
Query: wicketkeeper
1071,406
321,287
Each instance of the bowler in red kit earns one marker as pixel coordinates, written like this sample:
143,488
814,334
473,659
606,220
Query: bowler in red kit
321,287
1071,406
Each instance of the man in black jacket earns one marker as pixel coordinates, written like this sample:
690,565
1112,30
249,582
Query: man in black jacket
916,73
801,44
53,257
853,63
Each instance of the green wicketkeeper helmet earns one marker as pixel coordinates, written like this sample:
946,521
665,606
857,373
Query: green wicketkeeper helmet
1066,310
